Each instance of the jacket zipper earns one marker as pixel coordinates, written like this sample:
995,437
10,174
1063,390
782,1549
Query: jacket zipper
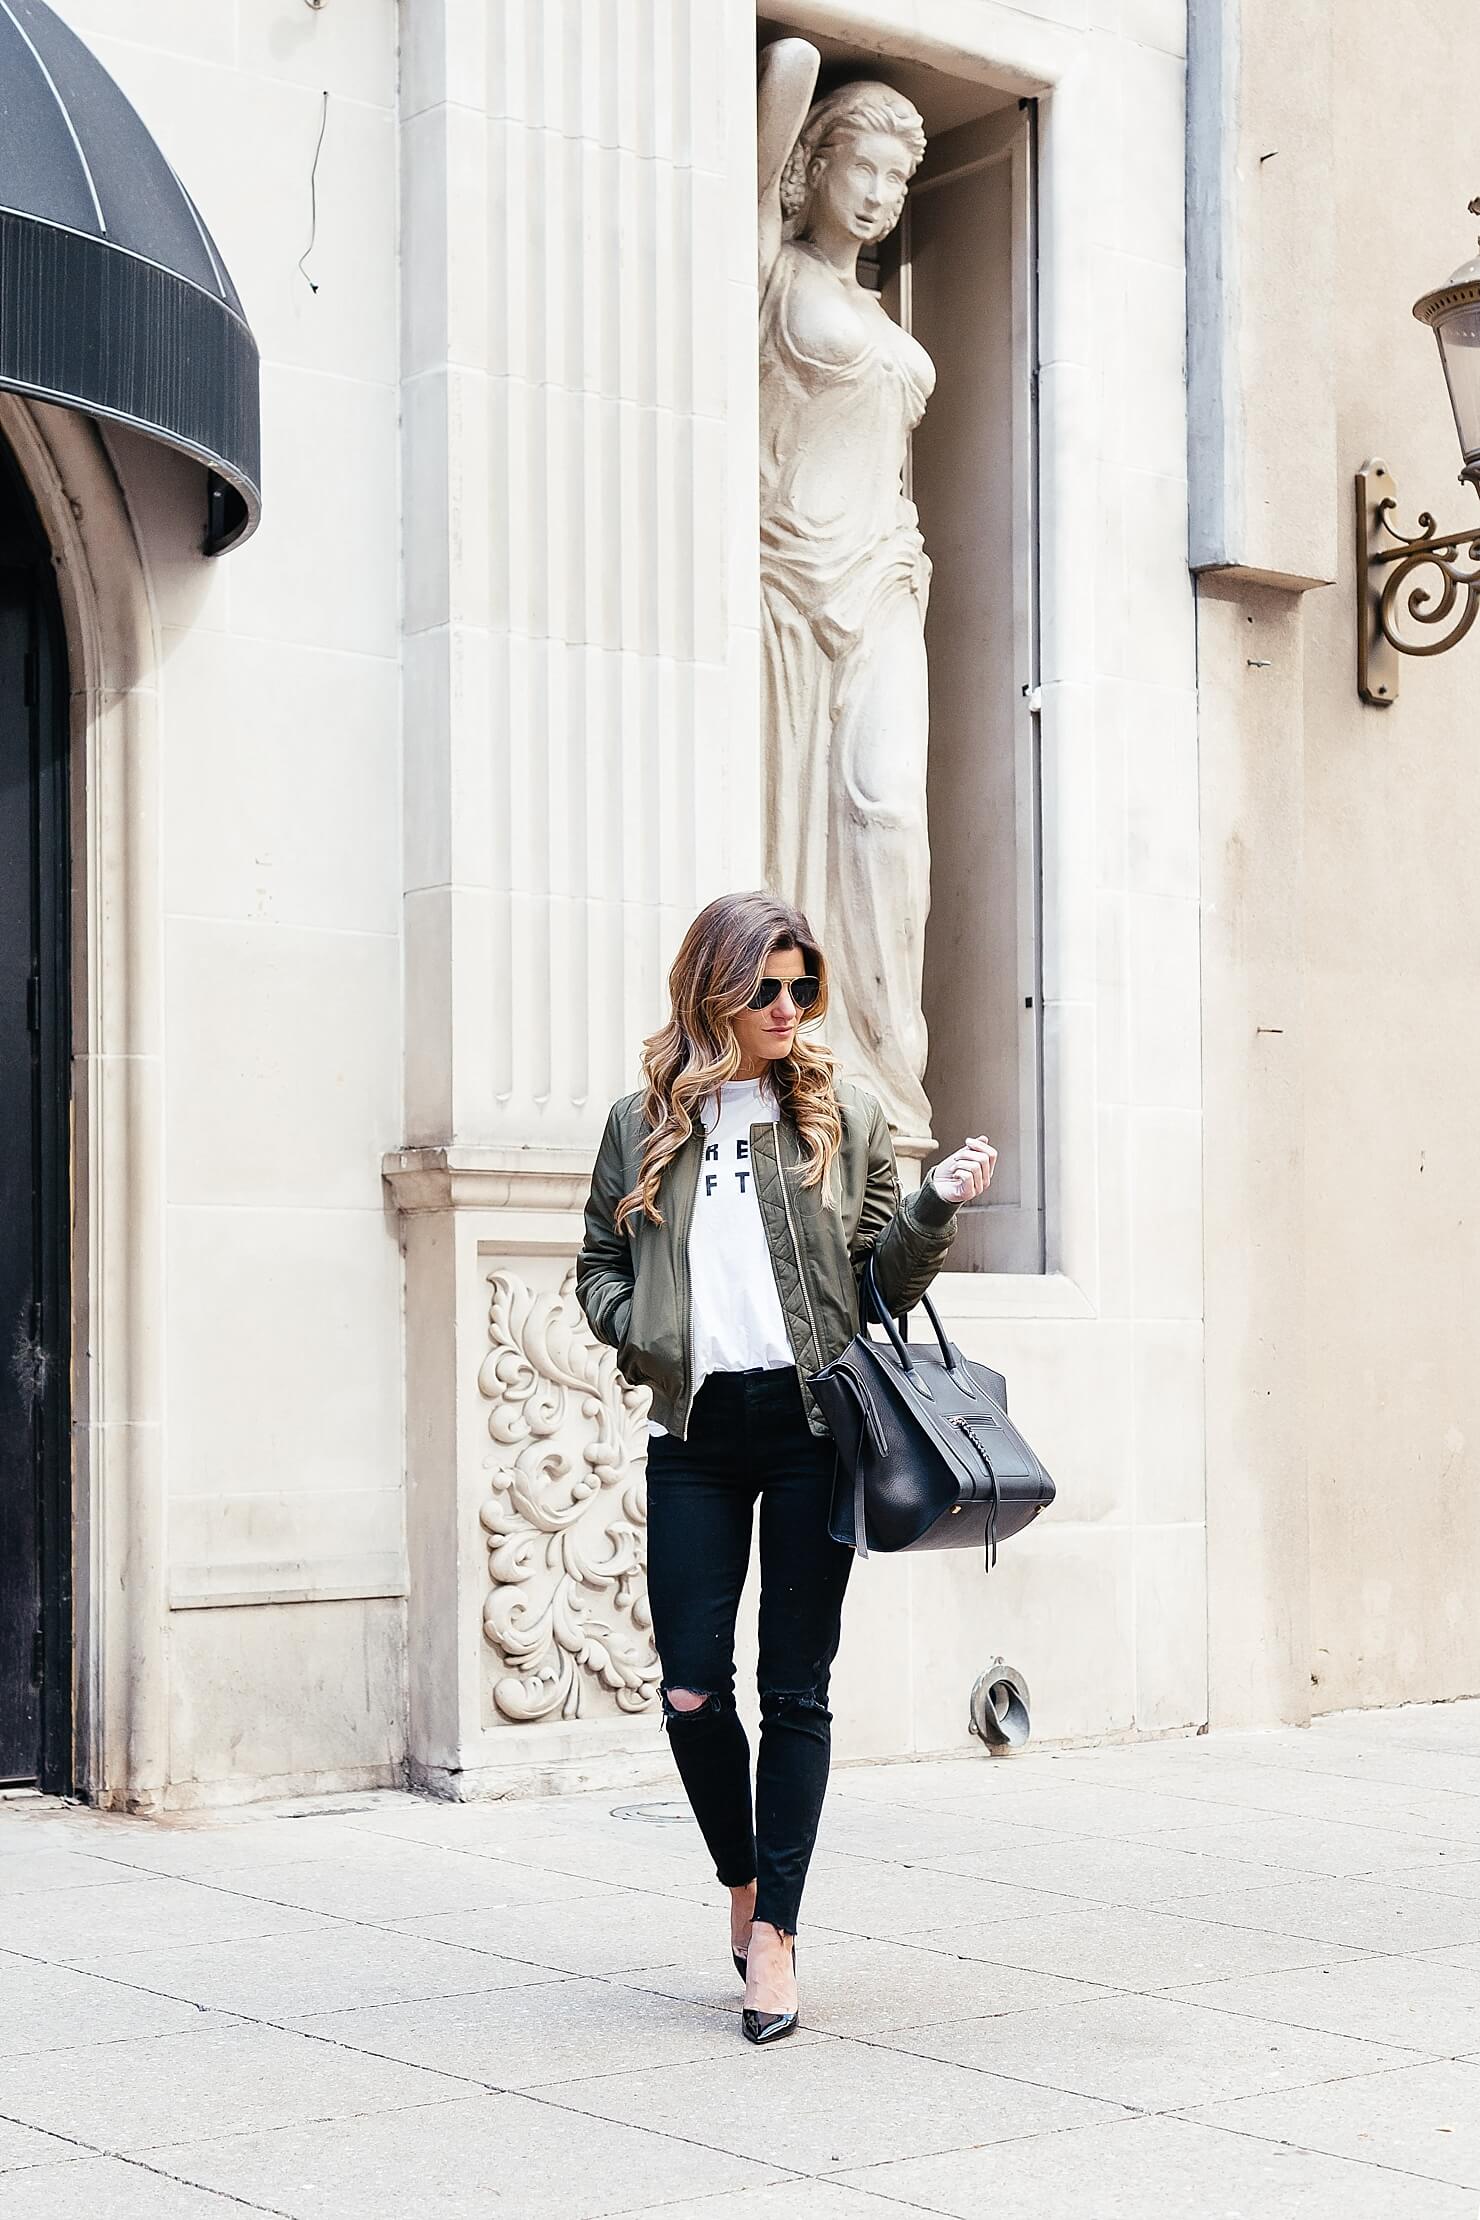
686,1298
796,1247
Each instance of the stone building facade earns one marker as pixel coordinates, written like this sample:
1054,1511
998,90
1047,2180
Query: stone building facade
385,826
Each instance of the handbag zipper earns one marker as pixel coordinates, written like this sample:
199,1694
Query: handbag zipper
964,1425
994,1496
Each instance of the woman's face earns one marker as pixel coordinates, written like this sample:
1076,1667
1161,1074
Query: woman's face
858,185
764,1035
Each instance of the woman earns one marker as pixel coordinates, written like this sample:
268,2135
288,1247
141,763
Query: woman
735,1200
844,574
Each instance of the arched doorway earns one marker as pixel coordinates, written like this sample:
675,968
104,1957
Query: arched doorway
36,1709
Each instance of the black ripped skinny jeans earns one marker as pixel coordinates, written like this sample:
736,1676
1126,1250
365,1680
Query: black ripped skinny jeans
748,1438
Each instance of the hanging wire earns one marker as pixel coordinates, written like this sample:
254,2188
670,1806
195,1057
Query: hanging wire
313,195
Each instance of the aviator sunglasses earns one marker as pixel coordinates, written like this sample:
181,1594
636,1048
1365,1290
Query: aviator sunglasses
804,992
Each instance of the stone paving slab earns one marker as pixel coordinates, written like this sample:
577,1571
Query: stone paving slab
383,1887
1109,1872
551,2031
1458,1874
108,2189
512,2157
589,1864
817,2103
1091,1808
45,2007
1400,1766
31,1872
1438,1726
1162,1981
855,1827
1260,1774
1464,1955
70,1926
592,1935
858,1986
1421,2119
1147,2052
348,1967
882,1898
793,2200
26,2146
1132,1948
1417,2003
1303,1792
1366,1915
32,1823
1148,2167
129,2097
1275,1840
198,1845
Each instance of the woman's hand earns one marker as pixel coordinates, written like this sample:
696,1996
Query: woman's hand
960,1178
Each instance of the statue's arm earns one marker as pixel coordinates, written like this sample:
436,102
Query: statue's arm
787,80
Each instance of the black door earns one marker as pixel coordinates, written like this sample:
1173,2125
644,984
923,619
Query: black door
35,1065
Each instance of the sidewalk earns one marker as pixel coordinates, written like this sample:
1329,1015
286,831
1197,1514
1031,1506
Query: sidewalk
1229,1978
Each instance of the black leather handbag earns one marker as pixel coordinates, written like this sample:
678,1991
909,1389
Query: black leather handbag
927,1455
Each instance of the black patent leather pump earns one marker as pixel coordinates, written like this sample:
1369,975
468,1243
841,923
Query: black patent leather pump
770,2027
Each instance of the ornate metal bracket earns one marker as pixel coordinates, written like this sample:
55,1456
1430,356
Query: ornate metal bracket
1394,594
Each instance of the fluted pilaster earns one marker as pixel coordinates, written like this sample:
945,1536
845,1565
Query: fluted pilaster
580,548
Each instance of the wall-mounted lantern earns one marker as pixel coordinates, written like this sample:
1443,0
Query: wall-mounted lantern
1393,594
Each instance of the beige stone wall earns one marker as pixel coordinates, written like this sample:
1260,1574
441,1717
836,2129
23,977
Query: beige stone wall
1341,905
241,1552
1392,807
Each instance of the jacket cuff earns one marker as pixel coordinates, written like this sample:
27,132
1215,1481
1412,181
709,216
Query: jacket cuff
928,1208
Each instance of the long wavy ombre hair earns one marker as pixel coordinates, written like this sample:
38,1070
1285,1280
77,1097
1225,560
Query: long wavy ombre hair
716,971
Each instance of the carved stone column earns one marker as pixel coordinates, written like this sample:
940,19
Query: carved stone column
582,772
582,611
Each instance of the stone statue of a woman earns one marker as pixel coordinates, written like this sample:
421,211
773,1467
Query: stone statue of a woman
844,573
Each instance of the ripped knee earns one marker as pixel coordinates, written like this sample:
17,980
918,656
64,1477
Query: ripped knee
803,1708
692,1710
685,1699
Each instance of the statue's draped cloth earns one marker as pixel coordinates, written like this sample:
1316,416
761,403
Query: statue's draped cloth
844,579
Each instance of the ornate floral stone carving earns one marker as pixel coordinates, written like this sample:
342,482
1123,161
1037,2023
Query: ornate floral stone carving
566,1513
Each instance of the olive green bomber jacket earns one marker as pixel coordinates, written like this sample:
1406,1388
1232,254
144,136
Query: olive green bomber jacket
634,1287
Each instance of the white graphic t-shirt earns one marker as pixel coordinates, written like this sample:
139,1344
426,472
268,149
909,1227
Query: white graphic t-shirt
736,1320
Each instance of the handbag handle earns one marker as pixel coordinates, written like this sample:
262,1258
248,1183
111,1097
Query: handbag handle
950,1356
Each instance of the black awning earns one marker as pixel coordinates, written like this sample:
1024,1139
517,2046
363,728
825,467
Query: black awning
113,298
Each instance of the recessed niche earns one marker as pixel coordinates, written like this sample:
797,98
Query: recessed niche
958,272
